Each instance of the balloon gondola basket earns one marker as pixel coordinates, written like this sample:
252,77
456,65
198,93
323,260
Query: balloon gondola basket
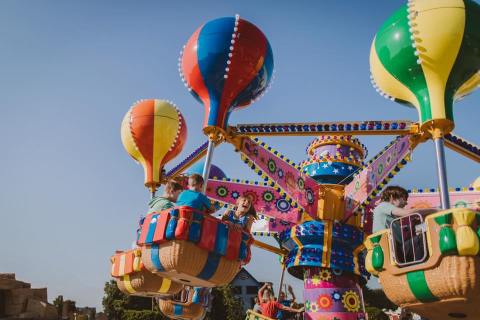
447,284
133,278
193,248
193,306
178,310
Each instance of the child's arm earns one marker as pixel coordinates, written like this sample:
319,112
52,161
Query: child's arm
225,216
400,212
290,290
281,306
210,209
260,292
248,225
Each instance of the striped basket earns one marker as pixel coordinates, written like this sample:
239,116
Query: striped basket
177,310
447,284
193,248
132,277
195,305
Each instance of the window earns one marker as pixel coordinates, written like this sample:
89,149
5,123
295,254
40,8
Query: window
237,290
252,289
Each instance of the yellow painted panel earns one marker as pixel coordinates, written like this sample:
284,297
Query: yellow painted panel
165,285
128,284
439,45
165,126
424,5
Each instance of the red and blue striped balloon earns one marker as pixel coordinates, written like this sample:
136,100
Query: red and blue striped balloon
226,64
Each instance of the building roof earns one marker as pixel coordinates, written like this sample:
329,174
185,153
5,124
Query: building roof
243,274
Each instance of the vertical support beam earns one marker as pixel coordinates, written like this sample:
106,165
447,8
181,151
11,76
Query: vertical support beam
281,278
442,172
208,163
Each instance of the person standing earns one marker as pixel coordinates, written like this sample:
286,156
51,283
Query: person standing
269,305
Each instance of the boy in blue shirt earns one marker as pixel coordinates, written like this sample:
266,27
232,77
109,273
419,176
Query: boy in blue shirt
193,197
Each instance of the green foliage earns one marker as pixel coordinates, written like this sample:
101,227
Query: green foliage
143,315
114,301
58,303
377,298
225,305
375,314
120,306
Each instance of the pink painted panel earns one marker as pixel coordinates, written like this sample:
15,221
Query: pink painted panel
291,180
458,199
266,200
362,186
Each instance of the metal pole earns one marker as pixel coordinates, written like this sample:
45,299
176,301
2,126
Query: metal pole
442,173
281,281
208,162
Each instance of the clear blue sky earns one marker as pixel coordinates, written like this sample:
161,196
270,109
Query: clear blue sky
69,71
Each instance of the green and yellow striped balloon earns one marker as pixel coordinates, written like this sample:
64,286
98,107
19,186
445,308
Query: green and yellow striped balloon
427,54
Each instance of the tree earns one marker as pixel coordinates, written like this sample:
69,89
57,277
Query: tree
114,301
375,314
118,305
375,302
58,303
377,298
225,305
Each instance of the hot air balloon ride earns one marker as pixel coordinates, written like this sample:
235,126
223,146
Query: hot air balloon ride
225,72
190,304
153,132
318,211
132,277
193,248
426,55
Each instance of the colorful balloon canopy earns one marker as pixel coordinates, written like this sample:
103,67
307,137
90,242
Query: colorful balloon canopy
427,55
153,133
215,172
226,64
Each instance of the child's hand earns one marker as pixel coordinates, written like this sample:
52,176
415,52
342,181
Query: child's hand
236,227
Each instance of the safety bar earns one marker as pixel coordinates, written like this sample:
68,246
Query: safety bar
408,244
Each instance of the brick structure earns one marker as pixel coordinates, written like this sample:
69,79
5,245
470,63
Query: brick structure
19,301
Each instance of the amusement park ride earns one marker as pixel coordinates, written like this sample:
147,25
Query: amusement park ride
427,55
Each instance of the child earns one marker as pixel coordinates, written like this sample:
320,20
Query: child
193,197
392,205
167,199
394,199
243,215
